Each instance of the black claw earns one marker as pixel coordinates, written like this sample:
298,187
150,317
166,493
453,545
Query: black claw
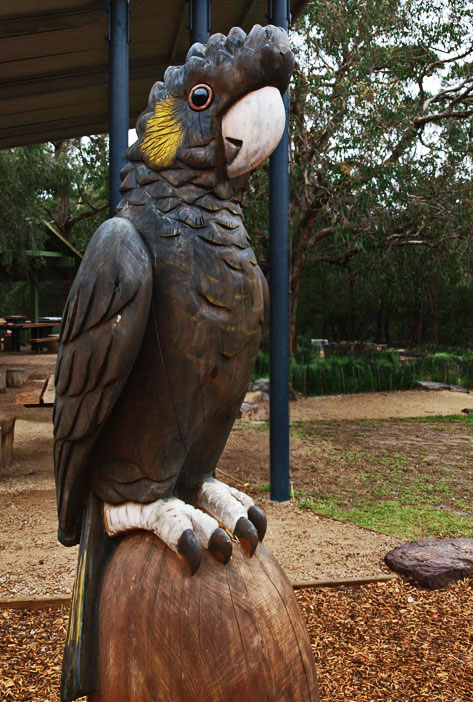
258,518
220,546
247,535
189,547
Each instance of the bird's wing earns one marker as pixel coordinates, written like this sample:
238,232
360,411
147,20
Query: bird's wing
102,331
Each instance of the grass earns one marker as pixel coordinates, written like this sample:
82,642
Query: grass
411,478
259,427
377,474
434,419
393,517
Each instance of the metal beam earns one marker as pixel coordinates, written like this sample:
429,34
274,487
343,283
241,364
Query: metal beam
199,21
96,77
118,96
279,294
45,21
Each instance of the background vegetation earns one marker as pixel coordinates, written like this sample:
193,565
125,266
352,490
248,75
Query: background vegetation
381,197
381,166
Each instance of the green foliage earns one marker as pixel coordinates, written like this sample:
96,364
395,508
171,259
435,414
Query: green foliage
26,182
379,220
15,298
65,184
382,372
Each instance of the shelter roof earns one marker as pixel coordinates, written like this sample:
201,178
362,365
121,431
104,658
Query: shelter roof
54,60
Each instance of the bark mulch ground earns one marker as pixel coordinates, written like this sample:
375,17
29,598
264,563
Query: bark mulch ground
388,642
392,642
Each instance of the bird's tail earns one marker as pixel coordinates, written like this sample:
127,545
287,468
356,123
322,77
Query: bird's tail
80,661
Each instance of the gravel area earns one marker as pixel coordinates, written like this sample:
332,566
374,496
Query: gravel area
311,547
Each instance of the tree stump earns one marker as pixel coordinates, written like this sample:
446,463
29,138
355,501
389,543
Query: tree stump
7,427
228,634
16,377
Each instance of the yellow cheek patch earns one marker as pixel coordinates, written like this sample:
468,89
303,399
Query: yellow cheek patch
163,135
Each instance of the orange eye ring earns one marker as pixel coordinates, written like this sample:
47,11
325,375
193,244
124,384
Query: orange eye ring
200,97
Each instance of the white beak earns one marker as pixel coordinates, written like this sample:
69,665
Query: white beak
251,129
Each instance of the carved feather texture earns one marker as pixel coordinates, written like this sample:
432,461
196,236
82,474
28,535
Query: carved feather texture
163,135
103,326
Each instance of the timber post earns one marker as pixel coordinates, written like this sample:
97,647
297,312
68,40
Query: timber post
118,36
279,15
199,21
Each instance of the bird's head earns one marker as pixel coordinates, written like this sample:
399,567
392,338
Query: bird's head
222,109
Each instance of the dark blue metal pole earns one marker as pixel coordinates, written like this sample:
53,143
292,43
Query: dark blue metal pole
199,21
119,118
279,293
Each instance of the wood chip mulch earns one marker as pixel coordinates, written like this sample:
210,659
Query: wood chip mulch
385,642
392,642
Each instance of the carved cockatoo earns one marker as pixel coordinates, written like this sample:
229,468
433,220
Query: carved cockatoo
164,320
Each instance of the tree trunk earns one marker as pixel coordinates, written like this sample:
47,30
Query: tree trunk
352,308
434,310
228,634
379,325
417,329
387,330
63,212
63,200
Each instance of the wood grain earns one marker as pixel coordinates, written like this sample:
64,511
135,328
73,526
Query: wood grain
7,427
32,390
50,393
227,634
16,377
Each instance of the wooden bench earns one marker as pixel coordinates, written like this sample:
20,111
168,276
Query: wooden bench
38,343
37,391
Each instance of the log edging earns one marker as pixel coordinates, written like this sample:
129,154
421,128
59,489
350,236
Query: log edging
37,603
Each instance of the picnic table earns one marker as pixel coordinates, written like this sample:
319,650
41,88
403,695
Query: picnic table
41,333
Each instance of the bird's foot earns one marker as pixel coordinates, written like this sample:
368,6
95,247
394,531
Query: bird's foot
182,527
235,510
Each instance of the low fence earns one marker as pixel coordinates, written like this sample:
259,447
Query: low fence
346,374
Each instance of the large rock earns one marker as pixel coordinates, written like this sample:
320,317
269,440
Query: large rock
253,397
255,411
433,564
428,385
260,385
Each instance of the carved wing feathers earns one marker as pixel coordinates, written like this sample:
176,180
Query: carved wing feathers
102,331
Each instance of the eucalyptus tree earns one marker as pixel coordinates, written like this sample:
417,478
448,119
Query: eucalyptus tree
64,184
376,90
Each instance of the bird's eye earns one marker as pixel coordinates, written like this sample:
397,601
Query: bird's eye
200,97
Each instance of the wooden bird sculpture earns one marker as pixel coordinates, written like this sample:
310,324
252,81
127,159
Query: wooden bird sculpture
162,327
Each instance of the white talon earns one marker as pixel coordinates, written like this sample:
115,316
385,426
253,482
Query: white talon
167,518
223,502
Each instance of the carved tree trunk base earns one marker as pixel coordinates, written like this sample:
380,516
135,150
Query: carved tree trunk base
228,634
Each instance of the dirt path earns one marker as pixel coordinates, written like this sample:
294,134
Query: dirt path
308,546
381,405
